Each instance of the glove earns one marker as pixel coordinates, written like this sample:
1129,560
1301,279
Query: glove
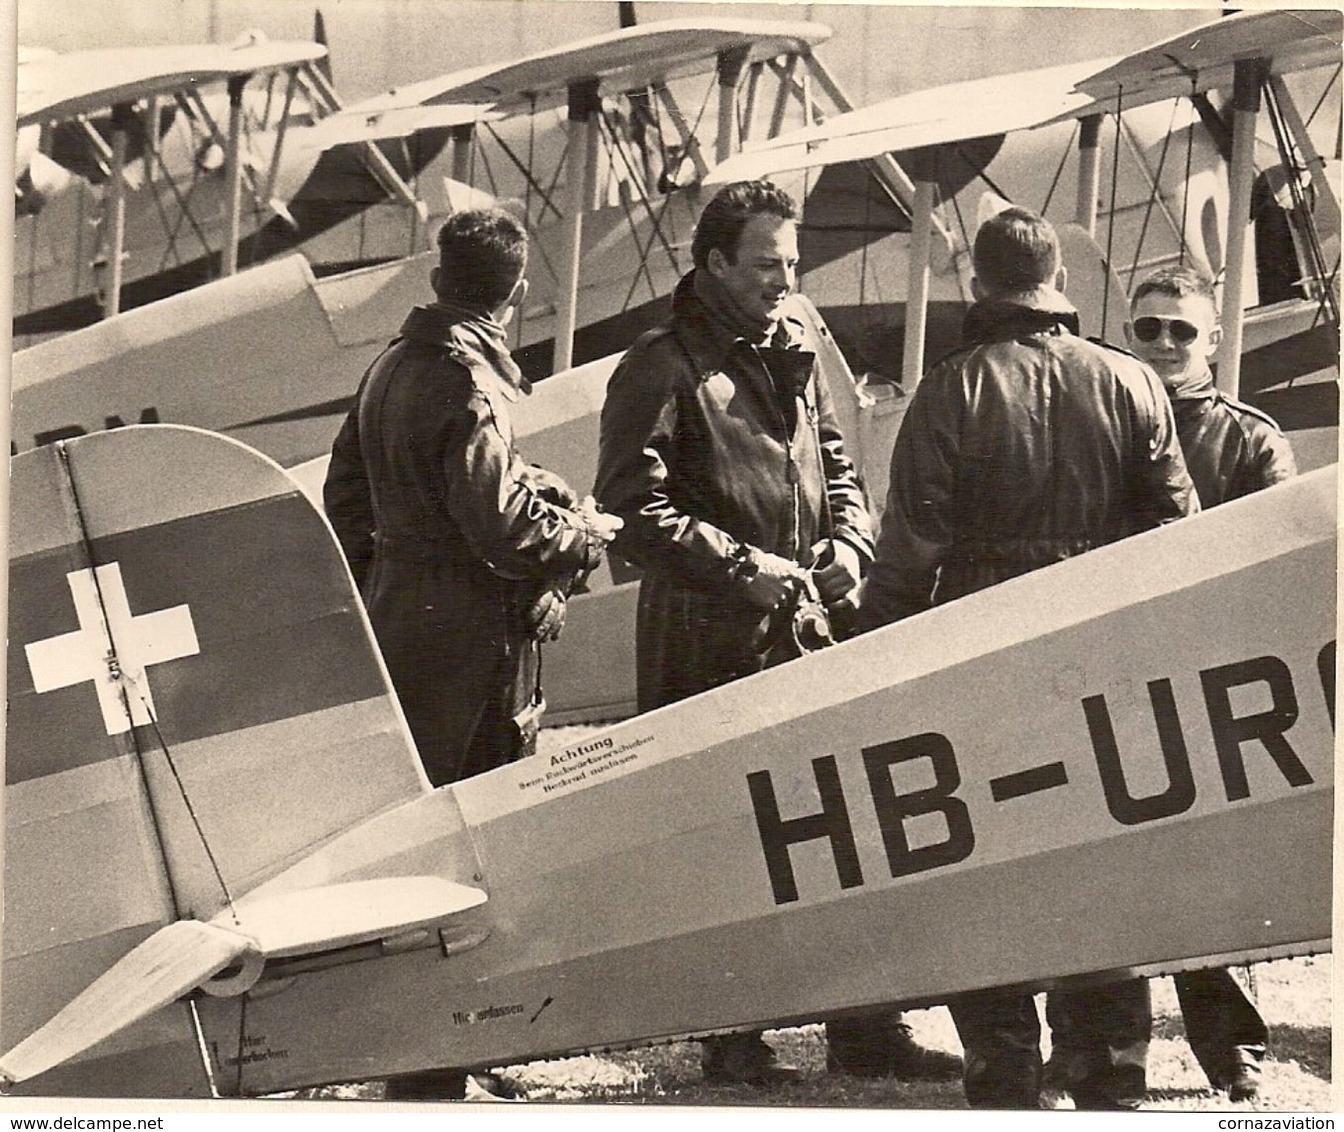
551,487
836,570
600,524
545,617
768,580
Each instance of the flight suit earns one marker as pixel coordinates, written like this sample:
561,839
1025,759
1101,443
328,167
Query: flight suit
451,536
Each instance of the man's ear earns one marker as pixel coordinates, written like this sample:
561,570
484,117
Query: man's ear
434,279
519,293
716,261
1129,332
1061,278
1215,338
504,313
977,291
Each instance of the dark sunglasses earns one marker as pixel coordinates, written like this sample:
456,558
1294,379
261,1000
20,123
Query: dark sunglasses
1147,329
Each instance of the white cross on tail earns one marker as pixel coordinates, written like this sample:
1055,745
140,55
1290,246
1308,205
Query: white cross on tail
87,653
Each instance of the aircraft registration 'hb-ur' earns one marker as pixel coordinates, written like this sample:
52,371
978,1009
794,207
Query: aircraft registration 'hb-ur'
225,870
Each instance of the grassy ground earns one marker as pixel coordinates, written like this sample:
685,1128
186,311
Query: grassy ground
1294,996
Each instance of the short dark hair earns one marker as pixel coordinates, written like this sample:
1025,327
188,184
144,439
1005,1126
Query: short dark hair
1015,250
482,255
1178,281
720,225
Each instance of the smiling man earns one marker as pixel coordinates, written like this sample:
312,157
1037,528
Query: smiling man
1231,450
720,450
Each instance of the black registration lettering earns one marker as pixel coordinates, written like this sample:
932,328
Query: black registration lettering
1179,795
1325,666
894,809
777,834
1269,726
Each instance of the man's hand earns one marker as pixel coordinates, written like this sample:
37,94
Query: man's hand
600,524
839,573
551,487
545,617
775,581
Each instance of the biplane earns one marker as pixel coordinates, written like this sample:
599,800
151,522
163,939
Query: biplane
1292,344
144,171
611,223
1157,169
226,874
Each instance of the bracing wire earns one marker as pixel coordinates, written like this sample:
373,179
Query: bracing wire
1154,196
123,680
1293,170
1059,169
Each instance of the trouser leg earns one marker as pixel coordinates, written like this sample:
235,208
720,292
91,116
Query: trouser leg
1001,1037
1100,1037
1222,1024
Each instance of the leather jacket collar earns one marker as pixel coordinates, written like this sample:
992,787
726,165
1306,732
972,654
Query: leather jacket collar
709,340
473,336
994,320
1198,387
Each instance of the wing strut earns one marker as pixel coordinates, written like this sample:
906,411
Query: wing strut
1089,167
923,164
581,174
122,118
233,175
1247,75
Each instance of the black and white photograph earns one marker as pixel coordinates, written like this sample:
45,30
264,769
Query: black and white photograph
584,553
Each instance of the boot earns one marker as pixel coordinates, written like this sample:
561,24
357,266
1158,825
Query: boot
744,1059
885,1046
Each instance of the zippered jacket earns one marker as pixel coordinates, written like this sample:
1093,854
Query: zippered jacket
709,444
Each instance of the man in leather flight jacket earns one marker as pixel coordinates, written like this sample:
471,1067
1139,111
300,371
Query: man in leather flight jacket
463,553
720,450
1023,448
1232,449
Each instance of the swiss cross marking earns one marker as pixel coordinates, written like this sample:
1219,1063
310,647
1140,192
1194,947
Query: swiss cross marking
88,654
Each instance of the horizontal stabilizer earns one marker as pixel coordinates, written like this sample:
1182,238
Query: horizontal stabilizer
174,960
342,915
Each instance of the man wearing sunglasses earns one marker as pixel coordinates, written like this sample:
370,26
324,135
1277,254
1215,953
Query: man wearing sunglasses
1231,450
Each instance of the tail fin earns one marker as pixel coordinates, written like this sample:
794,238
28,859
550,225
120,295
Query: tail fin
186,719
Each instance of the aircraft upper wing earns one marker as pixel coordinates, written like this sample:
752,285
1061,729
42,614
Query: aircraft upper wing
620,60
939,115
1202,58
80,82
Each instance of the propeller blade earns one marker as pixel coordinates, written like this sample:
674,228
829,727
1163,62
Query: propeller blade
171,962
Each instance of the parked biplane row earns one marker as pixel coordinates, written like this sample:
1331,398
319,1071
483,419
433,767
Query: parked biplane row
272,354
188,913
